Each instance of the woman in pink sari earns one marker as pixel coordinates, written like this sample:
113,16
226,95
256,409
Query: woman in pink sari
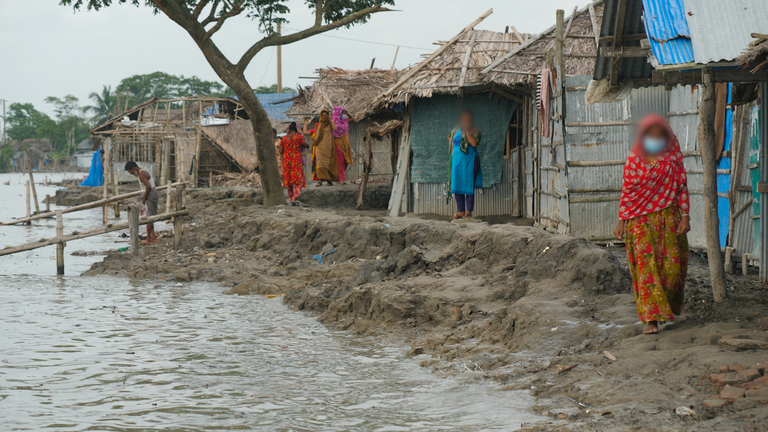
341,140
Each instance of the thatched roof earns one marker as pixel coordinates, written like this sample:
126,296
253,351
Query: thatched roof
443,74
236,141
355,90
386,128
755,57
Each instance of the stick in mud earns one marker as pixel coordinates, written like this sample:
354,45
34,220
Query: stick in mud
177,220
60,244
29,211
133,221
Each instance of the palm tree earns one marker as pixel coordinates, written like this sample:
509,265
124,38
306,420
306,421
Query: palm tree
104,105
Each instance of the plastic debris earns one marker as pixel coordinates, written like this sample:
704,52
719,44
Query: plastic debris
685,412
319,258
387,225
281,211
610,356
545,250
579,403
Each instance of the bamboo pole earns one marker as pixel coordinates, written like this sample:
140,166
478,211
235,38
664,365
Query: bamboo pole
47,203
81,235
210,178
29,209
168,197
133,225
32,182
60,243
115,193
85,206
708,162
198,143
105,185
177,221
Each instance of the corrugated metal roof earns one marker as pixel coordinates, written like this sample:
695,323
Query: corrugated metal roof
629,67
276,104
720,29
668,31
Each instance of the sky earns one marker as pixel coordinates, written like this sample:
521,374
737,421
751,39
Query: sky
49,50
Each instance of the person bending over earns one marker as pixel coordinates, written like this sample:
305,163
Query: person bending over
149,199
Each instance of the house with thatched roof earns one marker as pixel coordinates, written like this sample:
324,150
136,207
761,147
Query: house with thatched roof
181,139
356,90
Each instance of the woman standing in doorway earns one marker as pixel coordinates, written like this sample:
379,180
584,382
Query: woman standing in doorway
654,220
293,168
464,174
341,140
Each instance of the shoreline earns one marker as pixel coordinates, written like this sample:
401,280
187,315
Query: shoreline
533,304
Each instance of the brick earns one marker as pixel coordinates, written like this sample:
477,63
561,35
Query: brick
736,367
759,394
732,393
750,374
732,379
743,344
724,369
714,403
763,324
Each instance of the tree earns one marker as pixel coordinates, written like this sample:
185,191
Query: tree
139,88
71,127
201,19
6,153
104,105
25,122
272,89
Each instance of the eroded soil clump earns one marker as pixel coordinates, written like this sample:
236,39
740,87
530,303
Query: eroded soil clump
532,304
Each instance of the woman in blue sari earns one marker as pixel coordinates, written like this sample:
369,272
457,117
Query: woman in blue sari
465,174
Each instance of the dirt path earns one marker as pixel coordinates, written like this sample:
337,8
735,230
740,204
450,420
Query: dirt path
533,305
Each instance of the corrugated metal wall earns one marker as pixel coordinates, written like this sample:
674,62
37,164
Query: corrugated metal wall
430,198
553,187
599,138
684,119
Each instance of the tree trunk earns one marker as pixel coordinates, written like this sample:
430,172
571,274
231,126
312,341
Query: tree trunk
709,164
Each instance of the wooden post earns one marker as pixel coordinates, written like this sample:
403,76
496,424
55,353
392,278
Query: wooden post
708,162
279,63
115,191
47,203
32,182
29,207
60,244
210,178
177,220
184,196
366,170
133,222
745,264
730,265
168,194
198,143
105,189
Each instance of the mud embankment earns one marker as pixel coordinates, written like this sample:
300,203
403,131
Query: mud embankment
533,305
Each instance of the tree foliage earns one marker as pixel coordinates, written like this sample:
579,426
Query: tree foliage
272,89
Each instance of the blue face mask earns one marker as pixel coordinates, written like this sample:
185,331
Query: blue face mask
343,116
653,145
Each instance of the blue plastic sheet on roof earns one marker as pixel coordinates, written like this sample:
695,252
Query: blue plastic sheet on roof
96,173
276,104
668,32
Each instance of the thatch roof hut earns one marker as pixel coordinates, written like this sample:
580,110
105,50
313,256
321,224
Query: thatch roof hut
235,142
487,60
355,90
755,57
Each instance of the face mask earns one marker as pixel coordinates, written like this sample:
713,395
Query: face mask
343,116
653,145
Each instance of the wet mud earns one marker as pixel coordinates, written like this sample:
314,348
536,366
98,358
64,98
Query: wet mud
549,313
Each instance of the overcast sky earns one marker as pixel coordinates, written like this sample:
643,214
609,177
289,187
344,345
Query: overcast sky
48,50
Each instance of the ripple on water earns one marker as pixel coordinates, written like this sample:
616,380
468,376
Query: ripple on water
74,357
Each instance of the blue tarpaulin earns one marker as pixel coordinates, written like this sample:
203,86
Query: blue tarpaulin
96,174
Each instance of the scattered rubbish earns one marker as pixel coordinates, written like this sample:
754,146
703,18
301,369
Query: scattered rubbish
457,315
685,412
607,414
579,403
281,211
545,250
123,249
378,257
274,295
610,356
561,369
387,225
179,284
211,260
600,373
553,328
319,258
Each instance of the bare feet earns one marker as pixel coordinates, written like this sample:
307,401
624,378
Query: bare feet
458,215
330,183
318,184
653,327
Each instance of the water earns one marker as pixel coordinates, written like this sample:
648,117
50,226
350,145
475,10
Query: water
105,353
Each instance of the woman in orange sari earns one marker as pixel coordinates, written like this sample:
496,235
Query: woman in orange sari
654,220
324,166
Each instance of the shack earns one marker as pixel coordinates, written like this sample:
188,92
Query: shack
186,139
688,46
356,91
500,76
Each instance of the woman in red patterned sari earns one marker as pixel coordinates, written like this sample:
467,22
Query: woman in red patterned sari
293,168
654,220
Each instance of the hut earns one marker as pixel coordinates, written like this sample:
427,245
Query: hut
687,46
182,139
498,75
356,91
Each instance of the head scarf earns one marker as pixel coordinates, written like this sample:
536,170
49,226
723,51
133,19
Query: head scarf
327,118
650,187
342,125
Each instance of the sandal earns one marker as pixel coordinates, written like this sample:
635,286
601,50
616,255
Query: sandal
318,184
467,215
330,184
457,216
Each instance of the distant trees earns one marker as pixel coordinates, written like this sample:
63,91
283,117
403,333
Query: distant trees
104,106
64,132
272,89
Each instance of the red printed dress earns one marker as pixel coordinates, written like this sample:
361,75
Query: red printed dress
293,168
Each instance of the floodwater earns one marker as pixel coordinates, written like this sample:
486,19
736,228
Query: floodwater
112,354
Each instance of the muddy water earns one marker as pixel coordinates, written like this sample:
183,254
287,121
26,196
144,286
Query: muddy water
113,354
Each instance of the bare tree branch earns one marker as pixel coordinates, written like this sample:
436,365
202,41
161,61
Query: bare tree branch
211,15
237,10
319,13
199,9
274,39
